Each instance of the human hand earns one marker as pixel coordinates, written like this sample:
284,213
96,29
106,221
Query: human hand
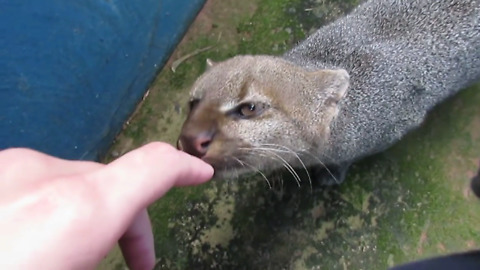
59,214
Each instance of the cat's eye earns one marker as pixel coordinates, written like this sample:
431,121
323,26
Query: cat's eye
193,103
249,109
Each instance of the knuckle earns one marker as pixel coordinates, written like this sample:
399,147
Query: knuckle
153,152
19,151
22,154
156,148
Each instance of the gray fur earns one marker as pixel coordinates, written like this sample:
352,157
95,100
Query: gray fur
403,58
352,89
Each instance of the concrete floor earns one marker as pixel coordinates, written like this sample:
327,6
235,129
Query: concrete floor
412,201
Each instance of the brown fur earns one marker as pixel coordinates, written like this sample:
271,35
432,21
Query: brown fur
299,107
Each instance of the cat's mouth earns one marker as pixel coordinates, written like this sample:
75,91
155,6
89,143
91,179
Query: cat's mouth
228,157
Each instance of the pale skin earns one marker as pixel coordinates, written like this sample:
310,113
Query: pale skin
60,214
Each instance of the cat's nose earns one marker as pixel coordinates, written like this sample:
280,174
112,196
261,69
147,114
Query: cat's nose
196,145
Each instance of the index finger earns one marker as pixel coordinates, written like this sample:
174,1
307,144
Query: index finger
142,176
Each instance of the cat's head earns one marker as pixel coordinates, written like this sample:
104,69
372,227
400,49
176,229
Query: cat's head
253,113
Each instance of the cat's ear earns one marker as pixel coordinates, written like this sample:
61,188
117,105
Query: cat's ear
330,86
210,63
333,84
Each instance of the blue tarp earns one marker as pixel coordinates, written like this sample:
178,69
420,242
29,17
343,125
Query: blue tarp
71,72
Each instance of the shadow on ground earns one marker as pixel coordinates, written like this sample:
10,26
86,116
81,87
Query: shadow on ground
412,201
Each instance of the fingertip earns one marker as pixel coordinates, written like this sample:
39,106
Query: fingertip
210,171
199,171
205,172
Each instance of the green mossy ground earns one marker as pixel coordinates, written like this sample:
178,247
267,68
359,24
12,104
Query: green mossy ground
411,201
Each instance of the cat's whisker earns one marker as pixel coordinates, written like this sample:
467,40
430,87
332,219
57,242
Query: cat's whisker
323,164
243,163
284,163
312,156
270,153
289,151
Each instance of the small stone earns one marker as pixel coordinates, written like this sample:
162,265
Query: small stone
115,154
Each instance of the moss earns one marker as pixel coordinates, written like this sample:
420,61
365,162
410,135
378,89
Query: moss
431,197
272,34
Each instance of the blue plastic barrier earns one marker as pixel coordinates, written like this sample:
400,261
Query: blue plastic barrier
71,72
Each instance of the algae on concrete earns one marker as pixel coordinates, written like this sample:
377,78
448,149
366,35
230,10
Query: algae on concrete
409,202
